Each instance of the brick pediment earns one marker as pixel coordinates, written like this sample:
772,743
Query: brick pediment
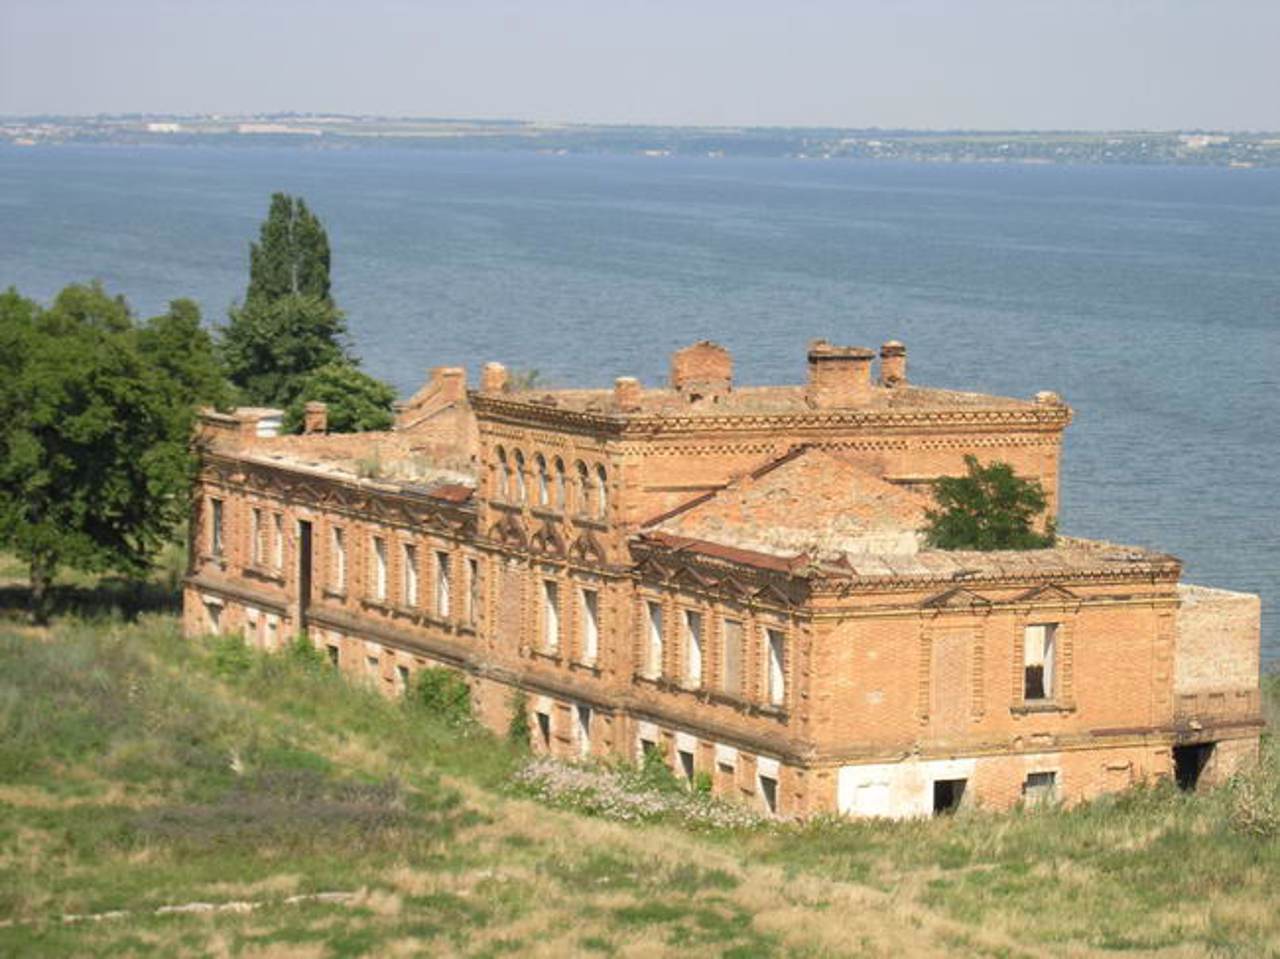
957,598
1049,593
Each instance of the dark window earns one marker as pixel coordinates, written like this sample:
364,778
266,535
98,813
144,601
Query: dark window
947,795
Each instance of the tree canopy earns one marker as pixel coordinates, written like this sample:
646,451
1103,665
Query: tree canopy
355,399
291,257
272,346
289,337
990,507
95,421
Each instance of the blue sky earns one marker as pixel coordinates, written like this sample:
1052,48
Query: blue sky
1155,64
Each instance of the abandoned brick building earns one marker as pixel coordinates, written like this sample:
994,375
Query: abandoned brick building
735,578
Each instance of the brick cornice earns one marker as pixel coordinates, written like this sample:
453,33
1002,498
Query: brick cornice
980,418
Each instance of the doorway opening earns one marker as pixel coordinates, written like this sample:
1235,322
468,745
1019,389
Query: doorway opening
947,795
1189,762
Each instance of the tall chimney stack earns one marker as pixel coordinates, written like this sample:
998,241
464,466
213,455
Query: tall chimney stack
493,378
893,364
315,417
839,376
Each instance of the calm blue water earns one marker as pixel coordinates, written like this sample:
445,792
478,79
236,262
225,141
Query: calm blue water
1149,297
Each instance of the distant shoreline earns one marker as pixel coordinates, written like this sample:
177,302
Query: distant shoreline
1240,150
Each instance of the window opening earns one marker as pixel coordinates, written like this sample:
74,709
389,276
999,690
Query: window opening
550,616
590,625
410,575
339,560
776,677
732,675
1037,653
686,764
379,568
947,795
442,585
769,793
1040,788
215,524
1189,762
653,663
693,647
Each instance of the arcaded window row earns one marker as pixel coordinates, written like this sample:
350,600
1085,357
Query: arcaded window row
547,484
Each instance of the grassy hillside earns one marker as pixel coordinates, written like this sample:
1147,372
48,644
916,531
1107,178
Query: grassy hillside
289,813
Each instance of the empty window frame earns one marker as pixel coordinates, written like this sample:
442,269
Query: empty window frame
692,648
213,612
550,616
561,485
442,585
584,489
769,794
521,493
339,541
372,666
215,527
584,731
257,531
410,559
335,655
1040,787
1038,643
544,729
775,663
653,649
402,679
686,764
277,532
590,608
602,493
731,675
473,591
544,480
503,475
379,584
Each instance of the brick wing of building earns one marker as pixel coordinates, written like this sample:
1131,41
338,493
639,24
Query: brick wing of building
735,578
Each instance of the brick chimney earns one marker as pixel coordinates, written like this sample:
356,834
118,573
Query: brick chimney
451,381
839,376
893,364
702,370
315,417
493,378
627,394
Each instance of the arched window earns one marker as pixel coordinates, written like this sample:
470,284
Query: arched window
584,489
544,480
602,493
562,492
520,490
504,475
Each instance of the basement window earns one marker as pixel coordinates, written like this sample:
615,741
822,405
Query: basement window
544,729
1037,659
333,655
686,764
584,731
1040,788
1189,763
402,679
769,794
947,795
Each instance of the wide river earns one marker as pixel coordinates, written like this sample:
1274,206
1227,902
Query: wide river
1149,297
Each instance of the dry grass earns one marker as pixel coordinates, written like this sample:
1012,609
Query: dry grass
283,781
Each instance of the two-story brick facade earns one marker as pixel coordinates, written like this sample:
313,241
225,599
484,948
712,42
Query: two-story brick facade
734,577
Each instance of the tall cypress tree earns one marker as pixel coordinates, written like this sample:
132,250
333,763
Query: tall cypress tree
286,344
291,256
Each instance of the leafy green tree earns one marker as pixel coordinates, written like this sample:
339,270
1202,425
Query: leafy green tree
272,346
94,432
178,345
355,399
291,257
990,507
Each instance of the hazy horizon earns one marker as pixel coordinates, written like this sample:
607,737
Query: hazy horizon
988,65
